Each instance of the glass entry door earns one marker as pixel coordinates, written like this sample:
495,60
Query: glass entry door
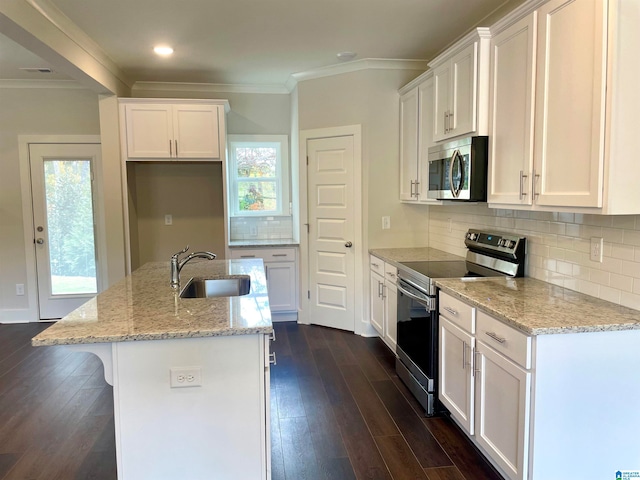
64,225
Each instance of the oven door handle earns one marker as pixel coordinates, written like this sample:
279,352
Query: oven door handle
424,301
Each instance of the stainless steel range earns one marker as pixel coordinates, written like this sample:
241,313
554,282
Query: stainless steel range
488,254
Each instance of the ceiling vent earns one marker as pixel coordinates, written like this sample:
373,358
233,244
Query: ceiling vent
37,69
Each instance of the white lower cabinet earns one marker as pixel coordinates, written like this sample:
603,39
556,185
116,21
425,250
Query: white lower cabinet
280,267
502,408
383,300
485,383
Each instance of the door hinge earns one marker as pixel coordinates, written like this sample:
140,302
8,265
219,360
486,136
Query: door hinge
309,294
307,160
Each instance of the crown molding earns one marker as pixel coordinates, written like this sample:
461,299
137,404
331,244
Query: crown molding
207,88
355,66
28,83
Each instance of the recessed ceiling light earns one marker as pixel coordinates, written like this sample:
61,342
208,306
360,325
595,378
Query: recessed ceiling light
346,56
163,50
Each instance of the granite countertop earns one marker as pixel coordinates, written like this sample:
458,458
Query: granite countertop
143,306
396,255
272,242
539,308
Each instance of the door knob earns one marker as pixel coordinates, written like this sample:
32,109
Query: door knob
40,241
348,244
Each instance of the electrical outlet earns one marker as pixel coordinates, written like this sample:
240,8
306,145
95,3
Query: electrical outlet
386,223
181,377
596,249
168,219
20,289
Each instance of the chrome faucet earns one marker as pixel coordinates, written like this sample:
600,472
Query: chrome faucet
177,264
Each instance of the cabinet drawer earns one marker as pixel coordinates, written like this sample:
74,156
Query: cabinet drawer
390,273
376,265
268,255
507,340
458,312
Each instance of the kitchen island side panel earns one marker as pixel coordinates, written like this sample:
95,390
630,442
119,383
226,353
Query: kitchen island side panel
208,431
586,405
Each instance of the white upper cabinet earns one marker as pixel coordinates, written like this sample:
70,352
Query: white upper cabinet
173,131
563,106
460,78
570,103
409,145
511,113
416,136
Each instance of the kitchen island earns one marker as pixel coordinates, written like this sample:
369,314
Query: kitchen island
190,376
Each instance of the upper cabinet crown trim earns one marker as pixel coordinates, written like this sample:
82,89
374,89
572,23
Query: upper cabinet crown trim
460,44
176,101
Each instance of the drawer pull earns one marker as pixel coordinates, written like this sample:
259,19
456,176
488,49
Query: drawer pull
279,255
392,275
496,337
451,311
375,265
272,358
247,256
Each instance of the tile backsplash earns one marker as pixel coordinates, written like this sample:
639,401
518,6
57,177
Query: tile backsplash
558,246
261,228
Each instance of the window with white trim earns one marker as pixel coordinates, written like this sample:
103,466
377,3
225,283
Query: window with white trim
258,175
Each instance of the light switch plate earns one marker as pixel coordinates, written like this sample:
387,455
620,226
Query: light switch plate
168,219
386,223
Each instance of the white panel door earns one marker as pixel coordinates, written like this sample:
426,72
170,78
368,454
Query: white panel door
62,186
511,113
331,234
570,103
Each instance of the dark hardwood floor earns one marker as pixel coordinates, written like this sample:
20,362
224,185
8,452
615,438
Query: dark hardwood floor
338,411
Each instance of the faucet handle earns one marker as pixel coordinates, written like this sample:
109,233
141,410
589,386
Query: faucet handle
176,255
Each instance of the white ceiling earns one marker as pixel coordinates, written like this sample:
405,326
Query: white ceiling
258,42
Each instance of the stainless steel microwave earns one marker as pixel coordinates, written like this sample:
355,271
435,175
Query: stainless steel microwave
458,170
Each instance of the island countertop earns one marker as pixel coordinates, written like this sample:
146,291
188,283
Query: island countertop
539,308
143,306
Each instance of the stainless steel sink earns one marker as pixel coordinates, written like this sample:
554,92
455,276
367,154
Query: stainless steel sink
216,287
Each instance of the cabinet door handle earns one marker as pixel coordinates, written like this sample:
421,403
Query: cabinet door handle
451,122
247,256
496,337
412,184
266,272
451,311
535,176
464,355
176,147
476,362
272,336
279,255
383,288
417,189
380,289
170,149
446,122
272,358
522,192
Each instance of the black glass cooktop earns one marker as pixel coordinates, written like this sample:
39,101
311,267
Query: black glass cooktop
446,269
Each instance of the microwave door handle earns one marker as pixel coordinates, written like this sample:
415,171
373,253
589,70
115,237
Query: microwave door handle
454,191
460,160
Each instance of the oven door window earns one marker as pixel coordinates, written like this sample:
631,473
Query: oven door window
417,333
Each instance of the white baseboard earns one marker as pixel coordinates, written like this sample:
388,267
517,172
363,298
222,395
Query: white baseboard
284,317
17,315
